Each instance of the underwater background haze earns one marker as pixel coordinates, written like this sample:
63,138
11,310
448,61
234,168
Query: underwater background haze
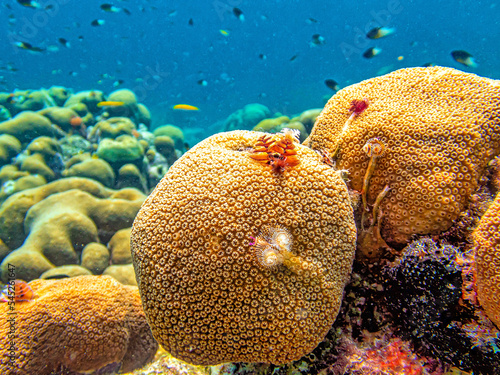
249,187
162,50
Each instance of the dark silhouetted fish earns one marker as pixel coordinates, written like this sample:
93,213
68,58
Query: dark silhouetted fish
464,58
97,22
317,40
380,32
27,46
64,42
239,14
371,52
110,8
332,84
29,3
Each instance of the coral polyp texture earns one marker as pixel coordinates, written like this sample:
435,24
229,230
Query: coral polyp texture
208,295
440,127
487,261
84,324
48,226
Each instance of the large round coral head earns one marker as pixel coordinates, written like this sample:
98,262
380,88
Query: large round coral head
238,263
439,126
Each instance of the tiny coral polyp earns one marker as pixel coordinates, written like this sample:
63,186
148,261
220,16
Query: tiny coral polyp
277,152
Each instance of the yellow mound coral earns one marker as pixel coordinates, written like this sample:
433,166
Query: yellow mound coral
89,98
487,261
307,118
77,325
208,294
13,181
270,123
59,94
96,169
27,100
59,219
27,126
112,128
119,247
124,273
302,122
173,132
9,148
439,127
60,116
95,257
130,176
166,147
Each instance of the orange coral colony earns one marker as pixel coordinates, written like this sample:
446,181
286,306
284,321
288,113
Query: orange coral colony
278,152
84,324
236,265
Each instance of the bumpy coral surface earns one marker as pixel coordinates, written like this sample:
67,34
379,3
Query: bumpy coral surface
52,223
440,127
487,261
173,132
27,126
207,294
112,128
81,324
9,148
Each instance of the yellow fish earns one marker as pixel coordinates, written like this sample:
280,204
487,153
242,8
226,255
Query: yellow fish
224,32
109,104
186,107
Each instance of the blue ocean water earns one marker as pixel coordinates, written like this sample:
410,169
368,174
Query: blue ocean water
267,57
